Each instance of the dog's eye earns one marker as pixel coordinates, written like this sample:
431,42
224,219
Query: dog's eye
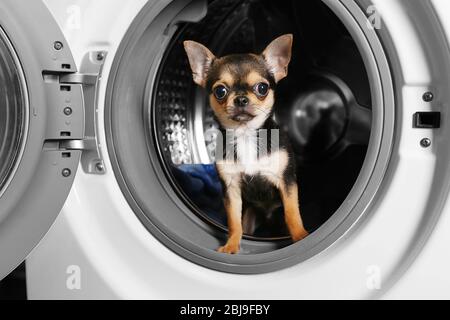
220,92
261,89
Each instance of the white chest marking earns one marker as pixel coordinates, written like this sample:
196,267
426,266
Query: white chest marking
271,166
247,153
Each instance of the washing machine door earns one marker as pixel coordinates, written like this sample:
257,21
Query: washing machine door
41,125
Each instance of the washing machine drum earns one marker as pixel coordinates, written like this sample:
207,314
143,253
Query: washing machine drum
164,161
324,106
12,113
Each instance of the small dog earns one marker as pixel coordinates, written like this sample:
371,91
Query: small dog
241,93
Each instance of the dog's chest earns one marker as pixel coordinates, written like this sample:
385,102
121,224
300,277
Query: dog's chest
251,160
247,157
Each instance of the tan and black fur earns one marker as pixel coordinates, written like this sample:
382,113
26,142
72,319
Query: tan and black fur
263,177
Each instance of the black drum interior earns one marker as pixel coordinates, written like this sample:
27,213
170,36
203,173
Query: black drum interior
324,105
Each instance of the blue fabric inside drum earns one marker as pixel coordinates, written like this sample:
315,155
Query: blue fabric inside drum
202,185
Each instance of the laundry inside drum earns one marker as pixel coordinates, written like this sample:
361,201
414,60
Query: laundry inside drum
12,111
324,105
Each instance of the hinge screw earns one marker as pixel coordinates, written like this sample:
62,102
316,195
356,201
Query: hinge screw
428,96
100,56
66,172
425,143
67,111
100,167
58,45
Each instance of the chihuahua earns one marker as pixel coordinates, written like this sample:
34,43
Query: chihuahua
241,91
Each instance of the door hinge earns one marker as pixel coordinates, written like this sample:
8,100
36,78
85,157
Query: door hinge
92,163
89,77
79,78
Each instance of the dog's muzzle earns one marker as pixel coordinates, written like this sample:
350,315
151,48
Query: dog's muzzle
242,116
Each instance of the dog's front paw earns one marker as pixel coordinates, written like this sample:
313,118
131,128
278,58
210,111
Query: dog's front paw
231,248
299,235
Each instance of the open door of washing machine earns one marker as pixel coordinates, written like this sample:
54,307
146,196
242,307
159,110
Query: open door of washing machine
41,126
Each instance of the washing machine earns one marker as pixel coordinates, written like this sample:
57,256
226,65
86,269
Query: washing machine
107,150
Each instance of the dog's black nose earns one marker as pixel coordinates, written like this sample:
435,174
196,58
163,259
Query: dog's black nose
241,101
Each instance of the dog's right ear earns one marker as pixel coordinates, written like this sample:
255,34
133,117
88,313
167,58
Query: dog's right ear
200,59
278,55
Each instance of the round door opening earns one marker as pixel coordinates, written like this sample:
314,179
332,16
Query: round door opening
324,106
332,106
12,111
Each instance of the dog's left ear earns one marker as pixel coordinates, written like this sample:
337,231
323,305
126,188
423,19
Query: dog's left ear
278,55
200,59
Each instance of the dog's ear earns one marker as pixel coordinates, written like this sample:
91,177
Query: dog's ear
278,55
200,59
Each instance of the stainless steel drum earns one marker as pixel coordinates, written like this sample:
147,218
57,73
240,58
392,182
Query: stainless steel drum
12,110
